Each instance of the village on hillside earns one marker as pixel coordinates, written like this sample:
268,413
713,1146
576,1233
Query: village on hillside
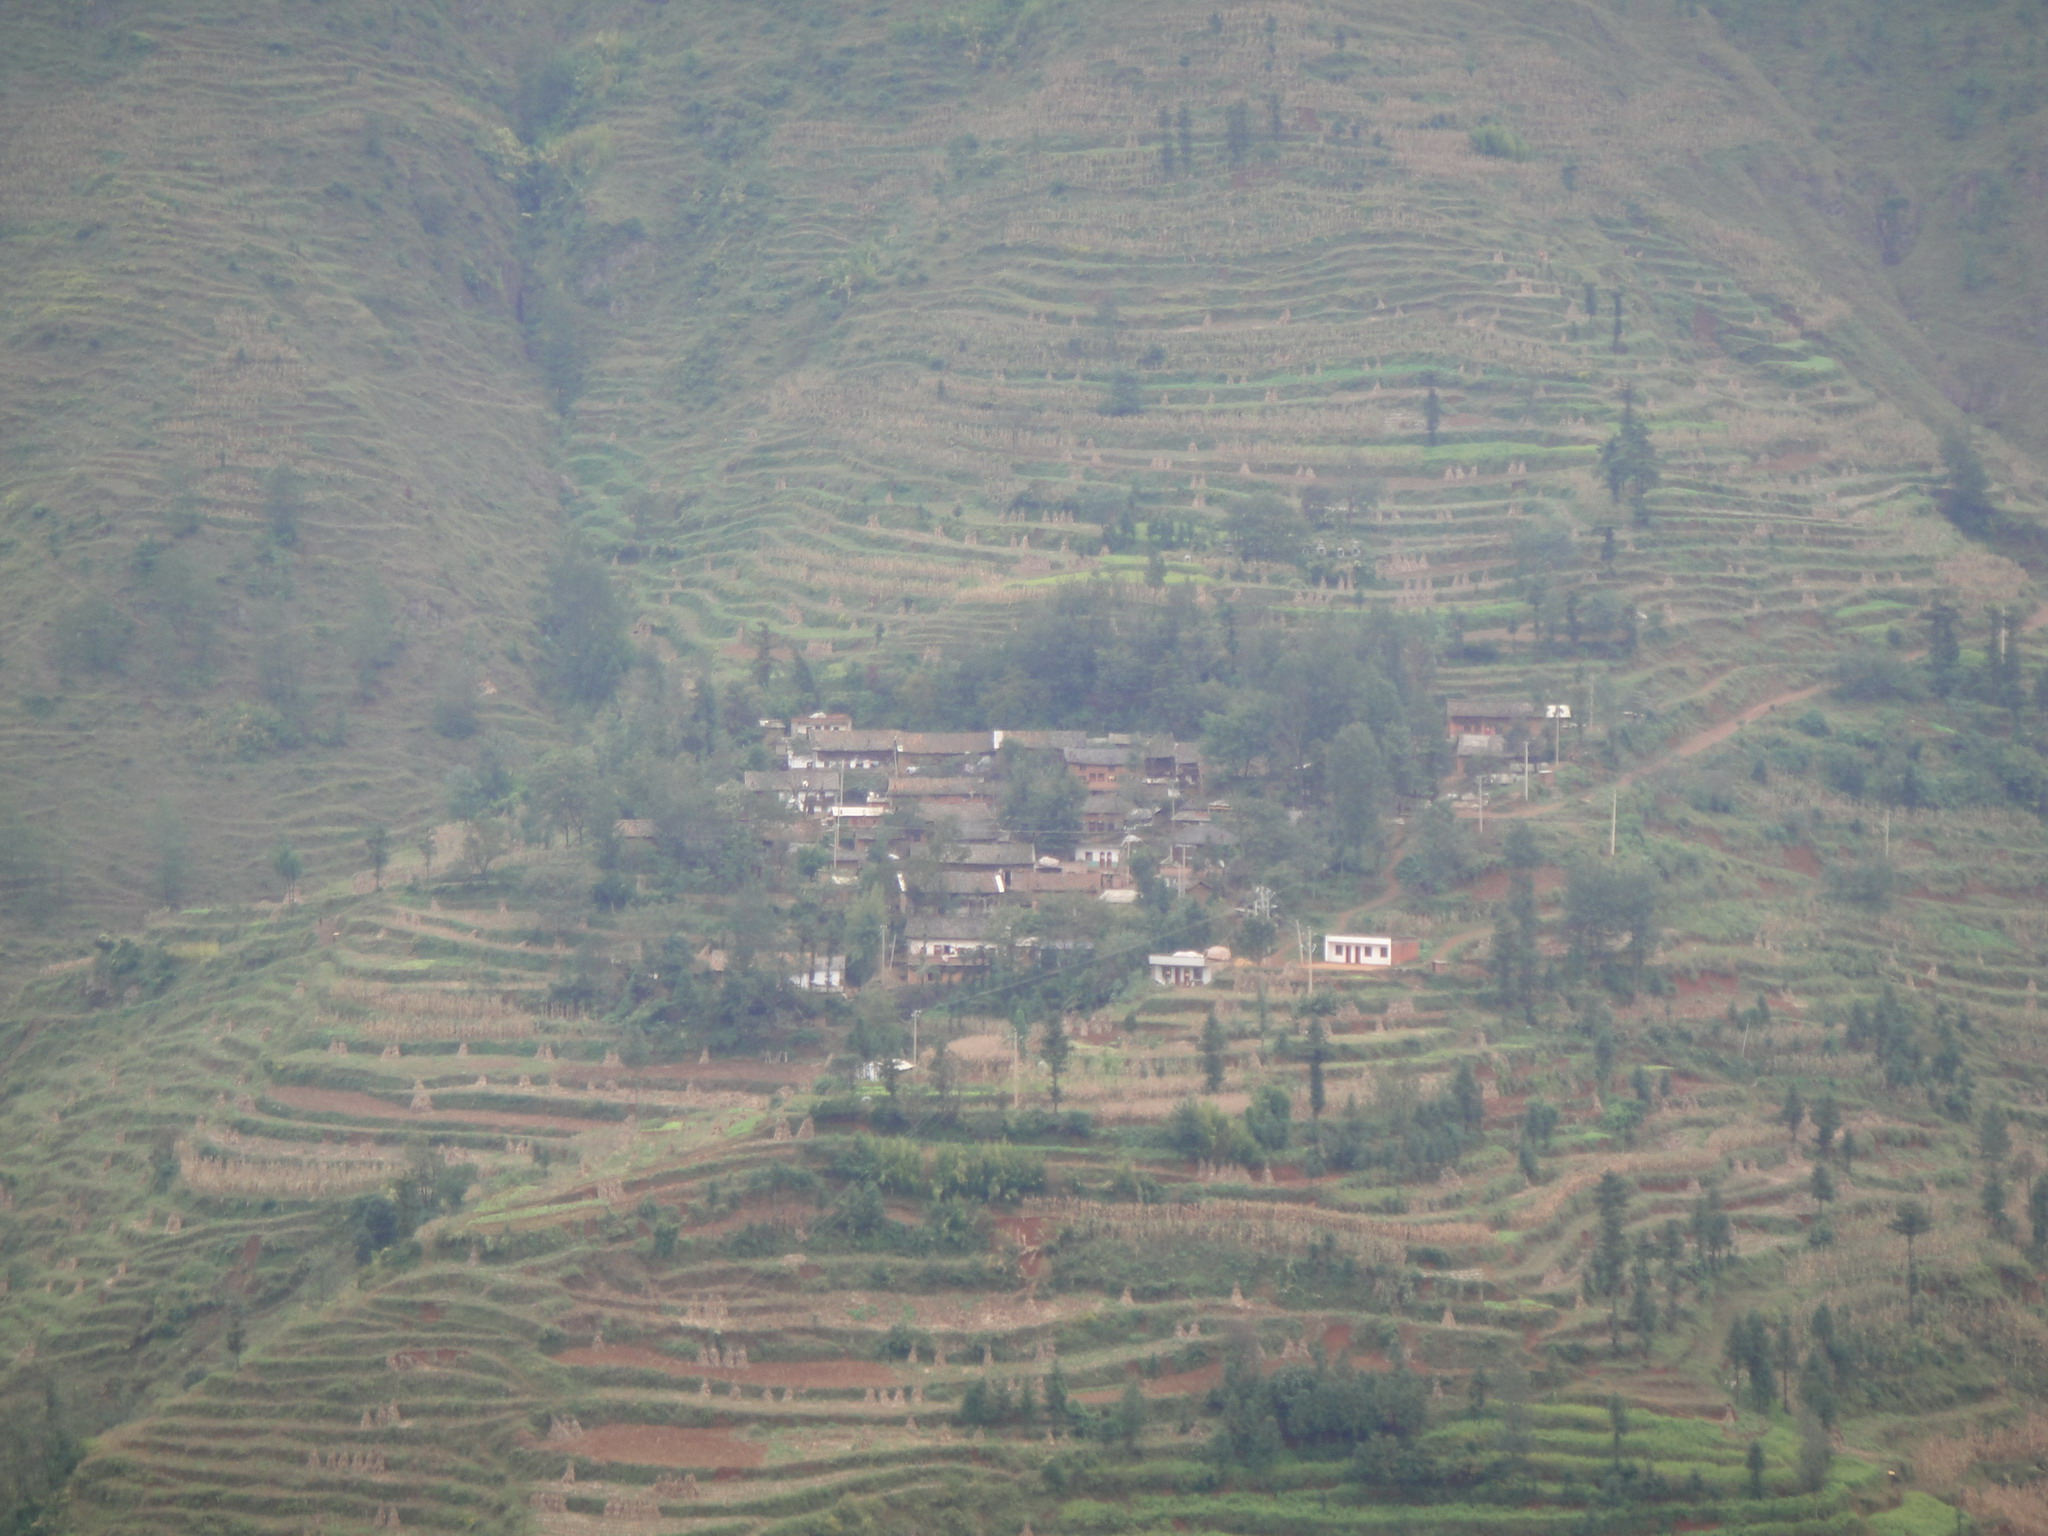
977,827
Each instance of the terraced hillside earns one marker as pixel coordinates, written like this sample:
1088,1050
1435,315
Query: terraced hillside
842,333
741,1294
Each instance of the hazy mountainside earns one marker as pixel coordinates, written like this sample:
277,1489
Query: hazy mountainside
832,306
484,414
268,415
1934,116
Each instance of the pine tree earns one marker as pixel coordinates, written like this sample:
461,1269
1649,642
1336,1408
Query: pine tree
1910,1222
1827,1119
1318,1053
1607,1269
1992,1202
1793,1112
1214,1044
1628,460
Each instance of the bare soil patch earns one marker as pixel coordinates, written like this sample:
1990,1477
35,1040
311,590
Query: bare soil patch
366,1106
661,1445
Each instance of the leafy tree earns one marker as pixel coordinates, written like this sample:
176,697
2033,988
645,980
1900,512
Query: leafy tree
1267,1118
1753,1459
1440,859
1125,397
1617,1422
584,651
1793,1112
377,845
1267,527
1130,1417
1214,1045
1610,917
1358,783
1966,497
1911,1222
286,864
1057,1050
1042,801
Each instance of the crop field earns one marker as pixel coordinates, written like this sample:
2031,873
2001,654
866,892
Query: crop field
435,1188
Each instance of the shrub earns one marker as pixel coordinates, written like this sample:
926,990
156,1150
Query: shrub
90,635
1500,142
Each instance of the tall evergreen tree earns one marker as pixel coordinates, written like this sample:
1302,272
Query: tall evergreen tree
1214,1045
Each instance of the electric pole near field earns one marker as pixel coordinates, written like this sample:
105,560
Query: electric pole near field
1613,818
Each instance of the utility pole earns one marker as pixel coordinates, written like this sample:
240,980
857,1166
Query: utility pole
915,1015
1613,817
1887,836
1525,768
1482,805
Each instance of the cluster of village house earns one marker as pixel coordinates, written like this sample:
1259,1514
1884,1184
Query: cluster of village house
934,796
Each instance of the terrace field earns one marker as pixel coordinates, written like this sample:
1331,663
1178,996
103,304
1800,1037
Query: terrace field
845,345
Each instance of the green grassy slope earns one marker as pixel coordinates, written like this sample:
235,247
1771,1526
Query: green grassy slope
239,241
835,301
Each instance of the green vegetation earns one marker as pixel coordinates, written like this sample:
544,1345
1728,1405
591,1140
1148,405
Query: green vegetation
457,1077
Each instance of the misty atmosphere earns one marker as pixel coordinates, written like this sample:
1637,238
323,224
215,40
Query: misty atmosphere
1023,767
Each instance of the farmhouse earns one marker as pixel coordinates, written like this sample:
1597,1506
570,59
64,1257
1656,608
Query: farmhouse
1174,763
807,792
1182,968
1098,767
949,948
1487,717
1368,949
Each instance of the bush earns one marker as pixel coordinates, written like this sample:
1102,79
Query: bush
90,635
1500,142
1873,675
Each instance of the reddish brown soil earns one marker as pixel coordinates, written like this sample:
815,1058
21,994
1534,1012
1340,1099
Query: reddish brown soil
1706,981
657,1445
821,1374
1491,886
1803,859
1336,1339
1185,1383
339,1101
